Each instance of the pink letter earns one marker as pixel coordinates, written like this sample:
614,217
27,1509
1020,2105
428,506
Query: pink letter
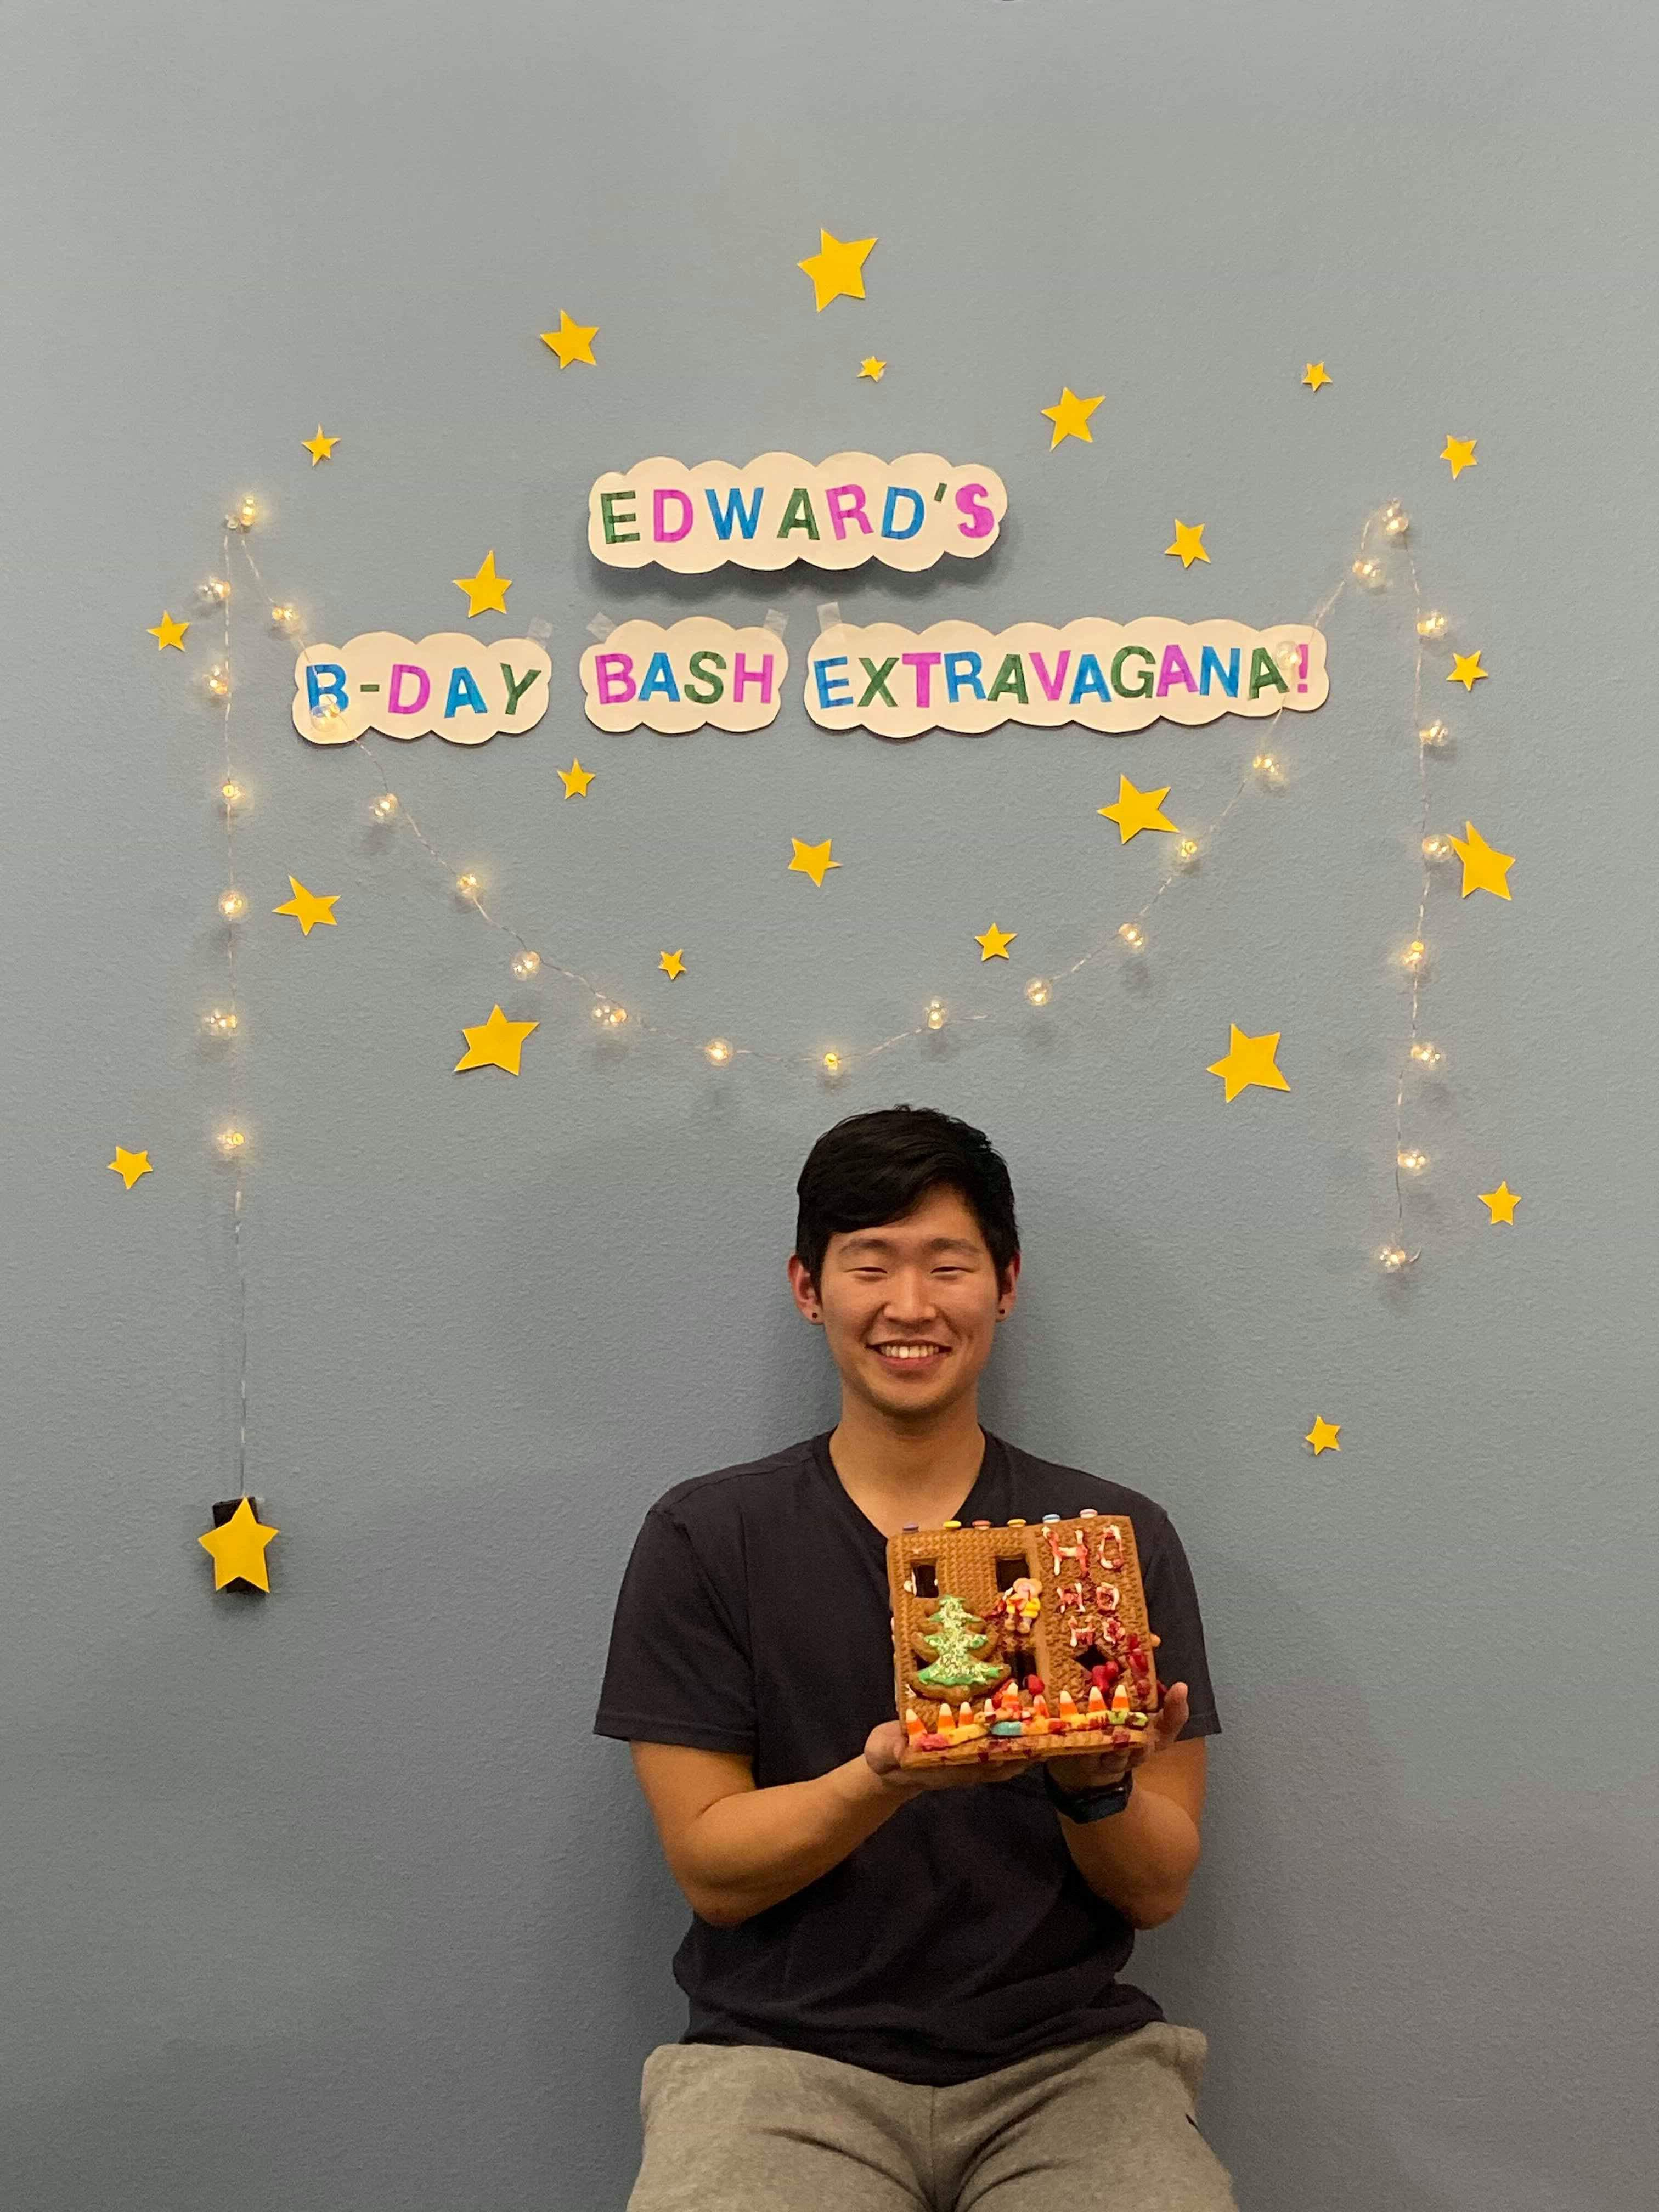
1052,690
853,511
742,675
394,697
924,663
660,529
970,501
1174,671
615,689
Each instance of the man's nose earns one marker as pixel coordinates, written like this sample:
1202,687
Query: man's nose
910,1296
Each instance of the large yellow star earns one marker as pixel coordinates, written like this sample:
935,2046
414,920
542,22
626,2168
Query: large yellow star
1188,544
1323,1435
1250,1060
1465,669
572,341
994,945
1460,452
673,964
167,632
130,1165
873,368
1136,811
837,267
1070,416
812,860
486,592
1483,869
307,909
575,779
1500,1203
1314,375
321,447
237,1548
494,1044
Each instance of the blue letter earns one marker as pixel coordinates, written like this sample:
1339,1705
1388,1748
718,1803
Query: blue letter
659,677
969,673
462,692
315,686
826,681
745,518
1091,677
1227,677
898,492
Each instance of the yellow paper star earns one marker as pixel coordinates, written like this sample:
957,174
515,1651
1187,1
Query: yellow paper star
494,1044
1070,416
575,779
873,368
307,909
486,592
1250,1060
836,267
1314,375
1483,869
1460,452
167,632
572,341
1323,1435
1136,811
994,945
237,1548
812,860
130,1165
673,964
1500,1203
1465,669
1188,544
321,447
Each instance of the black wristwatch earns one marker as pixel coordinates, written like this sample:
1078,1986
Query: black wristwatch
1085,1805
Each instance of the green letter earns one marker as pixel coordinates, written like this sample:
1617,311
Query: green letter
1263,672
1011,677
1144,690
801,497
517,686
607,510
705,675
879,679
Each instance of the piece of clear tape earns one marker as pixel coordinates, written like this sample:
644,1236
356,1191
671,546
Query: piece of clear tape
828,614
601,626
776,620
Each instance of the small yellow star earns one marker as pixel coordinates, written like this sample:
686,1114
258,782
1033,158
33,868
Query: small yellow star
812,860
494,1044
1070,416
486,592
673,964
1323,1435
1248,1059
837,267
130,1165
1188,544
873,368
572,341
1136,811
237,1548
1314,375
167,632
307,909
994,945
1460,452
1500,1203
1483,869
1465,669
575,779
321,447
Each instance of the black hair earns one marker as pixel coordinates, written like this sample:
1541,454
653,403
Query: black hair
878,1166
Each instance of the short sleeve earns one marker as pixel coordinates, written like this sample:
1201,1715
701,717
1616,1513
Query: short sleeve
678,1669
1172,1609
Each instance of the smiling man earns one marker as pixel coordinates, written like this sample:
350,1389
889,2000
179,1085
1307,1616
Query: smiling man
904,1988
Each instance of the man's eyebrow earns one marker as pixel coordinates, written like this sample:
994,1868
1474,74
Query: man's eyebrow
933,1244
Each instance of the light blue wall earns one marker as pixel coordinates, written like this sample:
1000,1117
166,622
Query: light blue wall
332,1902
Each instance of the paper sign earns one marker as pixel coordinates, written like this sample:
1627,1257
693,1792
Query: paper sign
677,679
835,513
455,684
1105,675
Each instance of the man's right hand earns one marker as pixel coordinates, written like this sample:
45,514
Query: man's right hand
881,1753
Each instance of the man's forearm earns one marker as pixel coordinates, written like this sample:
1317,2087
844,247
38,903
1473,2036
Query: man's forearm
757,1847
1140,1859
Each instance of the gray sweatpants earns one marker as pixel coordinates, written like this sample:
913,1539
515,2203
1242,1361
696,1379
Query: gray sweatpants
1106,2126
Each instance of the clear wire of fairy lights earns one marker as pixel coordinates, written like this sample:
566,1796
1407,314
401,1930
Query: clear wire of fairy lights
1388,523
232,1138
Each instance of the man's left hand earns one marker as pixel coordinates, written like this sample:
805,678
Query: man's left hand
1098,1770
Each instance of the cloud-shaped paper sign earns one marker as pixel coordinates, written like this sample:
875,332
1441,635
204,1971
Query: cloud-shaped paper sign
698,670
835,513
451,683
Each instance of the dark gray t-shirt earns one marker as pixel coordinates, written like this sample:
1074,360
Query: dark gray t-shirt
958,1938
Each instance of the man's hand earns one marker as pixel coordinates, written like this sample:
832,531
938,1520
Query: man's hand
881,1754
1098,1770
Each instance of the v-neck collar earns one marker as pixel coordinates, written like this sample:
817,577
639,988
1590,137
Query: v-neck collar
986,1501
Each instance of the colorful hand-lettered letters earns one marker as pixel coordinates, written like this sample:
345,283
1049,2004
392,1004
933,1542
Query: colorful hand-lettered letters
1105,675
459,686
835,513
676,679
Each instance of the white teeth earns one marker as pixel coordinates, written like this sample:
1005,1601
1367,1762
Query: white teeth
907,1351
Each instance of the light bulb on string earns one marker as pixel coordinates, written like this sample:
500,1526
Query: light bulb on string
526,963
1434,737
1411,1161
1268,770
1415,958
1427,1057
1371,574
385,808
233,797
936,1013
217,680
1134,936
1039,991
1438,849
1394,1258
327,711
467,888
1432,626
244,513
1395,520
832,1064
213,591
285,619
717,1052
615,1017
230,1141
232,904
220,1023
1187,855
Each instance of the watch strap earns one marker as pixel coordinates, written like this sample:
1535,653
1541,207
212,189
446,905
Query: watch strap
1085,1805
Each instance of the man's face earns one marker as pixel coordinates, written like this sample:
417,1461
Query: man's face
910,1308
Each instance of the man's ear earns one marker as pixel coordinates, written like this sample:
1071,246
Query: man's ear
1008,1288
806,1290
